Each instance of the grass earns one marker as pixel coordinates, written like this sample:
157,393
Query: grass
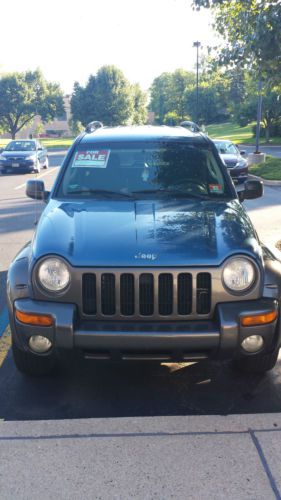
236,134
270,169
60,143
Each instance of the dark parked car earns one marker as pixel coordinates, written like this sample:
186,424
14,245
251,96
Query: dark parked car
144,252
233,159
23,156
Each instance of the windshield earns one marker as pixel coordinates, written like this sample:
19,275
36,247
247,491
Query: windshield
226,148
21,146
140,169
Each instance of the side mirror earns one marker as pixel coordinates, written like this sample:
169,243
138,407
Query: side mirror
40,148
36,190
242,152
253,189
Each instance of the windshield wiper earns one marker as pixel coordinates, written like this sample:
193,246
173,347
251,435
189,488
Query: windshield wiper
106,192
177,192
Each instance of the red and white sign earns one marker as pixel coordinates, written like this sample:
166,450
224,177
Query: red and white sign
91,158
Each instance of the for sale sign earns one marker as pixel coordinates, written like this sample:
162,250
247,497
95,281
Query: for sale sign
91,158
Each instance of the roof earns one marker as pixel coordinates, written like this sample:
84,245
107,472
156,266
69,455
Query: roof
144,132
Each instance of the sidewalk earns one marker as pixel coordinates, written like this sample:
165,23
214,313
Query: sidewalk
202,457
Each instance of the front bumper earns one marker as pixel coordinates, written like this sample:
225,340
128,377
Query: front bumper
27,166
171,341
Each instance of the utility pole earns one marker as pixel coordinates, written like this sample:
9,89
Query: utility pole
258,128
197,45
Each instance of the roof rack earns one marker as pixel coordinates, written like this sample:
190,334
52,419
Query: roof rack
92,126
191,126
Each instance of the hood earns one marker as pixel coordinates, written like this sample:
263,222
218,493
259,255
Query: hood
144,232
18,154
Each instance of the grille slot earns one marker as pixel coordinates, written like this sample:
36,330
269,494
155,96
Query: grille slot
165,294
203,293
184,293
89,291
127,294
146,294
108,301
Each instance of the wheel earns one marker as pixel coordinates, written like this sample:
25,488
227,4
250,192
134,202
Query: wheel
32,364
257,364
46,162
37,168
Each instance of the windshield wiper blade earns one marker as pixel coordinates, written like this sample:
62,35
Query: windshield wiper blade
100,191
178,192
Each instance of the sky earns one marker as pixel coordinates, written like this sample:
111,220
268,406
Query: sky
70,41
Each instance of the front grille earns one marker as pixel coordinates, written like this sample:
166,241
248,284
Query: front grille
231,163
169,295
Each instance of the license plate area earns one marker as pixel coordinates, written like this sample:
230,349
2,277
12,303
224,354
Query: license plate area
15,165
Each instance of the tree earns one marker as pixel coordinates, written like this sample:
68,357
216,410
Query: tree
252,32
160,92
139,104
113,97
107,97
168,95
25,95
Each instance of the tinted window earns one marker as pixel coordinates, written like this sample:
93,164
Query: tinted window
134,167
21,146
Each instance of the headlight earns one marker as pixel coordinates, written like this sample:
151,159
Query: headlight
31,157
3,158
238,274
54,275
241,163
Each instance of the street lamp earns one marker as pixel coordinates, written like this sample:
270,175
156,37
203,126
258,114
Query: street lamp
197,45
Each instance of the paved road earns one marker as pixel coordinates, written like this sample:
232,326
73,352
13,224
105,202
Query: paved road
270,150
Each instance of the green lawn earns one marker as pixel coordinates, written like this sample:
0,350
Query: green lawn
236,134
60,143
270,169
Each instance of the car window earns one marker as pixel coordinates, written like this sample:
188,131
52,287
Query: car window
21,146
144,167
226,148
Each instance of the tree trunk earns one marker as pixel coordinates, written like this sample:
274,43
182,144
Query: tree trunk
267,133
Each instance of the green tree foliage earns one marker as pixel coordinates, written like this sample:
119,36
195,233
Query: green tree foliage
168,95
251,29
139,104
107,97
25,95
160,92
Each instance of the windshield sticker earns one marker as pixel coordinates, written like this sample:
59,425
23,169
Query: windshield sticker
215,188
92,158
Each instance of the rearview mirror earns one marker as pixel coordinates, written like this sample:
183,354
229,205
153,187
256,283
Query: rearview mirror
253,189
36,190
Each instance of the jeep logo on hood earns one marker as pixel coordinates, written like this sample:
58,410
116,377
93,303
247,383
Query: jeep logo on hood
146,256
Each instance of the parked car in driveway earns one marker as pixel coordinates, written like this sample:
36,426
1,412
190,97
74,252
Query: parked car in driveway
144,252
234,159
26,155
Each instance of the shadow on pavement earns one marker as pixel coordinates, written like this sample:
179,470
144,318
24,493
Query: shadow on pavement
89,390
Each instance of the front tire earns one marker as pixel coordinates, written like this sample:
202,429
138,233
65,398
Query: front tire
37,168
32,364
257,364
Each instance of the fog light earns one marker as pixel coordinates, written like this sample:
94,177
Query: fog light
40,344
254,343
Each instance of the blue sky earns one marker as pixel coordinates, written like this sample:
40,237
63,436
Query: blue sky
71,41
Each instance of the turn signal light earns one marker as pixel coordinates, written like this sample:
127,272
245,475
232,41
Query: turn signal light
259,319
34,319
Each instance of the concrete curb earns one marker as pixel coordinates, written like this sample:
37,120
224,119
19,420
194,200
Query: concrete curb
266,182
